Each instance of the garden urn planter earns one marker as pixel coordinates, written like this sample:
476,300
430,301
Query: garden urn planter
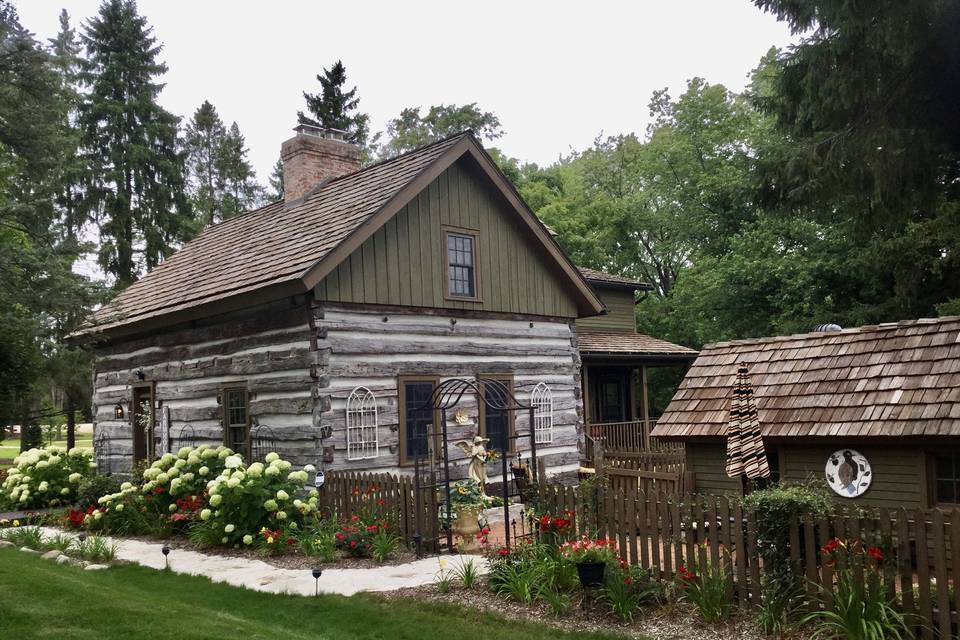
465,525
591,574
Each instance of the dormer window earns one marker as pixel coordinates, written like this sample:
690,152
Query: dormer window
461,264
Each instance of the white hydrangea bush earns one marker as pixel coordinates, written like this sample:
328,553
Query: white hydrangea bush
47,477
244,501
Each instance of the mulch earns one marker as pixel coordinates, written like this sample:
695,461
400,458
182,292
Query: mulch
670,622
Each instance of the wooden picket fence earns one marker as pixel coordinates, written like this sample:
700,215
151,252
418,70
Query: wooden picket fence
661,533
347,493
649,471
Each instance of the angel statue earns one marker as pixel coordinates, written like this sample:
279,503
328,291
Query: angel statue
478,454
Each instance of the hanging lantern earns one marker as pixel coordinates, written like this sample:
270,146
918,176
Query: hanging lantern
118,411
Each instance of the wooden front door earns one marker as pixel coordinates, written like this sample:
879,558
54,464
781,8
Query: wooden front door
141,420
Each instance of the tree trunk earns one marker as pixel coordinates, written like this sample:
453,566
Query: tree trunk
71,412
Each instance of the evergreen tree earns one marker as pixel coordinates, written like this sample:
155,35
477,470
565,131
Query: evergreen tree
203,138
276,181
222,183
237,179
136,184
38,289
65,49
334,108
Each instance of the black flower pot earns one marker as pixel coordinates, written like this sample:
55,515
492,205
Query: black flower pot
591,574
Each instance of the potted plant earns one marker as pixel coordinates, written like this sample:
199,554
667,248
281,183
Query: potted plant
591,558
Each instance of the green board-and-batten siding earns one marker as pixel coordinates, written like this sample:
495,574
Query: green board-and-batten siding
899,475
404,262
620,311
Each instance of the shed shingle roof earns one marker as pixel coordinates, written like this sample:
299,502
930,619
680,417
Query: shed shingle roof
625,344
897,379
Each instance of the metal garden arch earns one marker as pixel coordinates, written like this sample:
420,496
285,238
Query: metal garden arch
494,394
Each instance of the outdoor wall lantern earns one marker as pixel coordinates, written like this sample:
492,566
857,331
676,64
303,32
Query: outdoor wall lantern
141,375
118,411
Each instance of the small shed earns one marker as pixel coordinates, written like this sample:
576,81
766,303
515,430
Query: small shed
874,412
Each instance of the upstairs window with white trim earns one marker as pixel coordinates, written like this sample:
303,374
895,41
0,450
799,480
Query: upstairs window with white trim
362,437
542,401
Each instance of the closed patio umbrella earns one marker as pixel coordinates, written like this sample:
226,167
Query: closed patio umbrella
745,452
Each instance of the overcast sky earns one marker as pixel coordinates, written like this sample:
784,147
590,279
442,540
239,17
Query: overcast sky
556,73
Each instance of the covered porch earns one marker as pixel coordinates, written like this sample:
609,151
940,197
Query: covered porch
615,374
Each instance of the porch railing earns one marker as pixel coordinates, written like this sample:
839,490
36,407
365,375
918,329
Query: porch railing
622,436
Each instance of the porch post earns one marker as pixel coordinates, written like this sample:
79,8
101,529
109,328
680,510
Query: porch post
645,404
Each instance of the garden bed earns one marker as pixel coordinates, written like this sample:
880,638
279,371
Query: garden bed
676,622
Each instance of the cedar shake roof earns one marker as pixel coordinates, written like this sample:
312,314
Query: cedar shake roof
629,344
897,379
282,246
592,275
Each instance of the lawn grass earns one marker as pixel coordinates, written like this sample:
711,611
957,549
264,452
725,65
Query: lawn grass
10,448
45,600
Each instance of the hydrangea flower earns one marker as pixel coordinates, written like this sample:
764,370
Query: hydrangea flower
282,495
273,456
248,539
229,528
205,514
270,505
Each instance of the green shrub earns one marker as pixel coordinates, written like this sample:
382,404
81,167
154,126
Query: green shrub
95,549
29,537
627,588
707,590
466,572
859,608
776,508
92,488
317,539
47,477
31,437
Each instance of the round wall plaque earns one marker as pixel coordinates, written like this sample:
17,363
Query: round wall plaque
848,473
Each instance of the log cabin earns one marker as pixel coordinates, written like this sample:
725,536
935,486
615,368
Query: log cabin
872,412
321,323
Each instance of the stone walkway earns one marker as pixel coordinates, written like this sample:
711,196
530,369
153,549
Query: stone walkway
260,576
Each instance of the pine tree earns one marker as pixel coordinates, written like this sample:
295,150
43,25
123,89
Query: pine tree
237,180
222,183
65,49
136,184
333,107
203,138
276,181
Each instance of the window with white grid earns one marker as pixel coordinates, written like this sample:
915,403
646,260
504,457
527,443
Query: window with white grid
362,440
542,401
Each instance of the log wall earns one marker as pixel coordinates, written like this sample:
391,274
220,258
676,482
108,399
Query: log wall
266,348
370,347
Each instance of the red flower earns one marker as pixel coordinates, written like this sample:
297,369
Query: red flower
686,575
485,530
75,518
353,543
372,528
832,545
291,542
628,581
339,536
158,490
503,551
381,502
875,553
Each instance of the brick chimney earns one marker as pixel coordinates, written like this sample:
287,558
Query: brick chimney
313,155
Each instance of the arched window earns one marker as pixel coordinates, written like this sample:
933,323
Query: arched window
542,400
362,439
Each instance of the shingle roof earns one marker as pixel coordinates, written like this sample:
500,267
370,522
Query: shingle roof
280,245
625,344
267,246
608,278
895,379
